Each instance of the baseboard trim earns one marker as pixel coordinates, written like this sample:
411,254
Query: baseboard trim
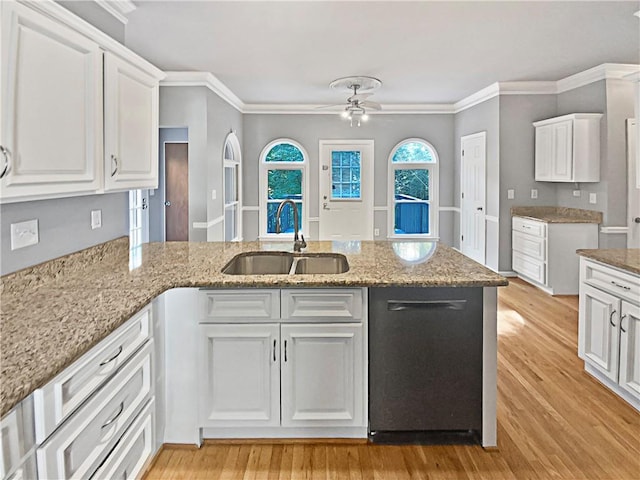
228,433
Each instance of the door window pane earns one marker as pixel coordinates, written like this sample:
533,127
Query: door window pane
345,175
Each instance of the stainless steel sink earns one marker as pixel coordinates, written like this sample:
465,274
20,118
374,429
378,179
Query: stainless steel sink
321,263
286,263
260,263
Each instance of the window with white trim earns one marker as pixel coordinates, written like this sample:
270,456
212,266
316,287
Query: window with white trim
232,189
283,176
413,190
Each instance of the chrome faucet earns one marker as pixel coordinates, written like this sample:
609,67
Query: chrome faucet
298,242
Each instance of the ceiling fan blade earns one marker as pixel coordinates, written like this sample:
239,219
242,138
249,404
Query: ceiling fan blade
359,96
370,104
321,107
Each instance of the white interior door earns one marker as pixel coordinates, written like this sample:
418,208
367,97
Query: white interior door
473,202
633,207
346,190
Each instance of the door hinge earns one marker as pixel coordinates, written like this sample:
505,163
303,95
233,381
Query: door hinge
462,238
462,194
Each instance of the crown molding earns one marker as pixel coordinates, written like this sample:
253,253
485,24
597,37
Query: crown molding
118,8
307,109
606,71
480,96
203,79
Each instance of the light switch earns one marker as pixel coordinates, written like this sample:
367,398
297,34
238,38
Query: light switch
511,194
214,194
593,198
96,219
24,234
577,193
534,193
376,232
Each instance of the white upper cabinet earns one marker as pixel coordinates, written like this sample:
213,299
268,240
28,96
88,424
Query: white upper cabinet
52,108
567,148
130,127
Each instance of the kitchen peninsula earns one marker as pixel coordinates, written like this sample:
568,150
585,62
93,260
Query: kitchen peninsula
54,313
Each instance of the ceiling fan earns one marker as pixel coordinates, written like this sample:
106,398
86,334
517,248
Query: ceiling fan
357,104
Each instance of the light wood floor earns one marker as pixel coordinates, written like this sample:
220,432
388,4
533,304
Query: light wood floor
554,421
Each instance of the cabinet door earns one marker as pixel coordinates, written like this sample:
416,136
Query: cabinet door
630,349
562,158
322,375
599,332
131,126
543,152
241,375
52,108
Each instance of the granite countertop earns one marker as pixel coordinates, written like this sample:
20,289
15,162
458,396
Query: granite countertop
53,313
627,259
557,214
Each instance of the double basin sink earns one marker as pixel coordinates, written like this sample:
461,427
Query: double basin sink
286,263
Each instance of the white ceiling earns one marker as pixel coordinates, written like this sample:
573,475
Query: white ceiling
424,52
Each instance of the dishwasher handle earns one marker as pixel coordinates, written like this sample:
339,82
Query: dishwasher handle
403,305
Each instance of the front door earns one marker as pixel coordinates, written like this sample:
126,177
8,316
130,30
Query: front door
472,212
346,190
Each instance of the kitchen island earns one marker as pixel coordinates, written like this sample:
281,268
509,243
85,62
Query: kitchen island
54,313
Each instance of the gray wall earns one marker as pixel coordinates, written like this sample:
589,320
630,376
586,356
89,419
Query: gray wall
517,166
484,117
64,226
385,130
208,120
96,16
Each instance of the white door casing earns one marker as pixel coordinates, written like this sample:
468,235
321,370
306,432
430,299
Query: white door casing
473,191
629,377
633,203
346,219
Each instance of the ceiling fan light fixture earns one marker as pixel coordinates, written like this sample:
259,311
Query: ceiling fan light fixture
355,110
365,117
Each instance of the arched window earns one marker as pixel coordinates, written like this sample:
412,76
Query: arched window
231,157
283,176
413,189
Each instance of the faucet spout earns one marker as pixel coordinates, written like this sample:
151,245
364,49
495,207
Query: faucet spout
298,239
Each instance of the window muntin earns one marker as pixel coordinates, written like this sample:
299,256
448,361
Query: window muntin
283,177
232,188
345,175
413,169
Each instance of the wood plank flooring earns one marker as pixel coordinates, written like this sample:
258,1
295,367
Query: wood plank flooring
554,421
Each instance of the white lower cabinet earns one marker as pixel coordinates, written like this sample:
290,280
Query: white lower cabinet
609,328
288,374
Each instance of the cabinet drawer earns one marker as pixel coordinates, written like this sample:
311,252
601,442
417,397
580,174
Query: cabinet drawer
531,227
529,267
614,281
529,245
133,450
321,305
240,306
64,394
78,447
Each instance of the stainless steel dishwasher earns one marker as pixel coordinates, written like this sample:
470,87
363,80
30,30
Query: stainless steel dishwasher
425,364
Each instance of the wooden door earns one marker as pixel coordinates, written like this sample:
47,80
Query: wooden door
599,335
241,375
629,378
346,190
131,126
177,191
52,107
473,202
322,375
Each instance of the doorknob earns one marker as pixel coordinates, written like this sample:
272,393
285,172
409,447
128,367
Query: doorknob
479,209
167,203
637,219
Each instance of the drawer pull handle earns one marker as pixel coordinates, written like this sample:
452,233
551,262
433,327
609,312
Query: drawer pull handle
274,351
399,306
621,319
114,159
611,318
620,286
109,360
7,164
115,417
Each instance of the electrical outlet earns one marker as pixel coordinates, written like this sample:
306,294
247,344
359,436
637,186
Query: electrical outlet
511,194
593,198
577,193
376,232
534,193
96,219
214,194
24,234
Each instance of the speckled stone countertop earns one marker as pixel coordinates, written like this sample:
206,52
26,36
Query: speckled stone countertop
53,313
623,258
557,214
